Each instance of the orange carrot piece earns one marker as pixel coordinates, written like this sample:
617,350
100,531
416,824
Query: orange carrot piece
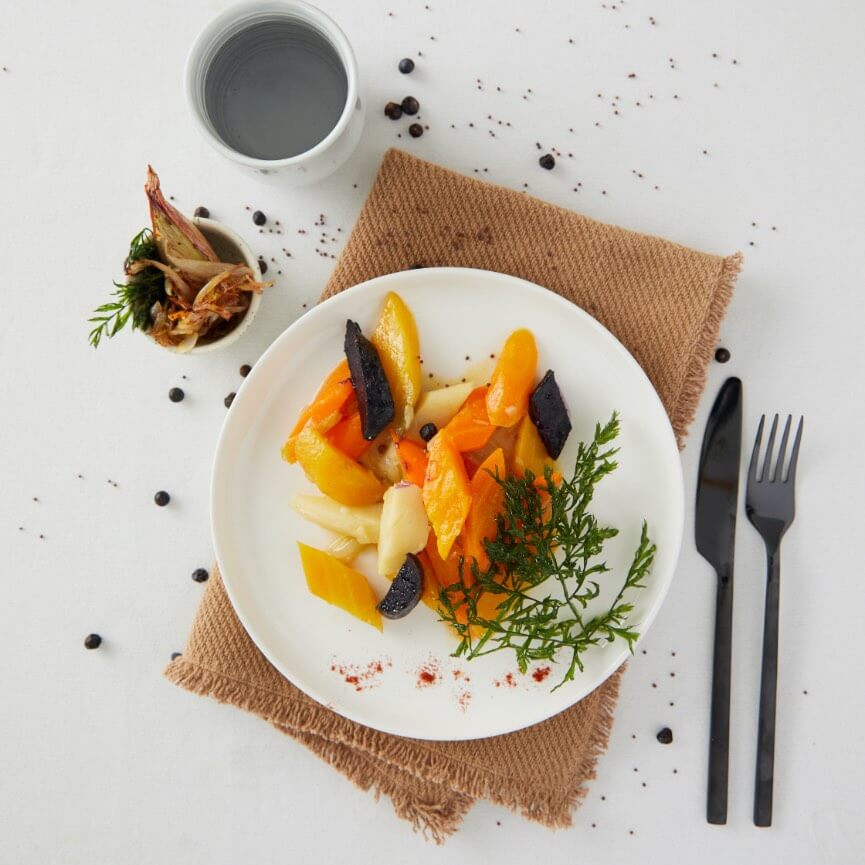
472,464
512,379
347,436
331,397
447,573
487,502
413,459
446,493
470,427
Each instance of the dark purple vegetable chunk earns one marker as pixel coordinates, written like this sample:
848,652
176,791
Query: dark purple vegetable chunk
374,399
404,591
549,414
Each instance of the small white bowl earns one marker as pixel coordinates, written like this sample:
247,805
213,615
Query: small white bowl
230,248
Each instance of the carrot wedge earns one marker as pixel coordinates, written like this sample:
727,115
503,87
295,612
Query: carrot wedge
512,379
412,458
446,492
331,397
470,427
488,498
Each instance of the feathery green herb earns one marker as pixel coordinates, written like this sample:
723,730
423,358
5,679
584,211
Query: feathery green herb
554,544
135,297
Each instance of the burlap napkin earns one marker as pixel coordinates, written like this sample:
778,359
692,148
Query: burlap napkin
663,301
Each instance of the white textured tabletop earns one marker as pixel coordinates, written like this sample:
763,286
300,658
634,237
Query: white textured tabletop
722,126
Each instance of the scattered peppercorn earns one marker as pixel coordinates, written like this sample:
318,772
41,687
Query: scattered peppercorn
427,431
200,575
262,266
176,394
665,736
175,656
393,111
722,355
229,399
201,212
410,105
245,370
547,161
162,498
92,641
406,65
415,130
259,218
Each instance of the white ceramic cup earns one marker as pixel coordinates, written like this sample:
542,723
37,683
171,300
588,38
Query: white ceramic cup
328,154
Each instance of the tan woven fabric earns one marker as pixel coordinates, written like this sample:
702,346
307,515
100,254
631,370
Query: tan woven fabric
663,301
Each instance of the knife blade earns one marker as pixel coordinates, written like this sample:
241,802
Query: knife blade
715,531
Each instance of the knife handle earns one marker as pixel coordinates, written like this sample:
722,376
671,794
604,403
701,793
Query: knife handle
719,730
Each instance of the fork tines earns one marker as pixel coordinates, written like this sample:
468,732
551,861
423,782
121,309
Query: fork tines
777,472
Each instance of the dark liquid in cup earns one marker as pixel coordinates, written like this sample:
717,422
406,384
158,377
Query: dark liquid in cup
275,89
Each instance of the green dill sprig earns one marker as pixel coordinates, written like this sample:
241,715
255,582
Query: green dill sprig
135,297
547,537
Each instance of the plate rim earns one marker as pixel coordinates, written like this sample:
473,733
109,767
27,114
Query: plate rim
617,659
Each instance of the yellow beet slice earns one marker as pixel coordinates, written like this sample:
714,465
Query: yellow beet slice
338,584
529,451
396,340
335,474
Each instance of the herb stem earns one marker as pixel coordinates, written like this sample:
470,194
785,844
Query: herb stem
542,534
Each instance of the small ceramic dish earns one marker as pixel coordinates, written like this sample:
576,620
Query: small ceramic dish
230,248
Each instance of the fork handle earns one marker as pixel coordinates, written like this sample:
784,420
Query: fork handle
768,691
719,724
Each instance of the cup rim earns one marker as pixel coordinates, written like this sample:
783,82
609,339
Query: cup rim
330,29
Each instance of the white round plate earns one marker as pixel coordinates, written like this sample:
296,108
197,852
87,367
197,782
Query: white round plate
378,678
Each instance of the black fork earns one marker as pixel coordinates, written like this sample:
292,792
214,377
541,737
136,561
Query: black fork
770,506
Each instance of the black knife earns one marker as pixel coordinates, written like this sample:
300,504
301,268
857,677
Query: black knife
717,497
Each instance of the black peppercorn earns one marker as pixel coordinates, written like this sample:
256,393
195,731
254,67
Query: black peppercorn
547,161
200,575
162,498
92,641
393,111
262,266
427,431
722,355
202,212
415,130
229,399
665,736
410,105
176,394
259,218
245,370
406,65
175,656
